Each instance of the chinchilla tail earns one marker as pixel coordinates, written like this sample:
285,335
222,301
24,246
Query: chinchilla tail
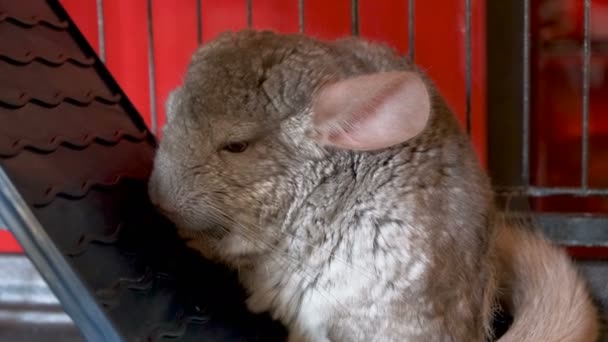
547,298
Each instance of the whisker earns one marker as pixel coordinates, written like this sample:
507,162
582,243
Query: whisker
278,234
282,257
285,257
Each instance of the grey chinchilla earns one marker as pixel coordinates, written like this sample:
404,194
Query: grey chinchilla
336,180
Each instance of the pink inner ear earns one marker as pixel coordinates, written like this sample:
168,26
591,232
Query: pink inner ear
371,112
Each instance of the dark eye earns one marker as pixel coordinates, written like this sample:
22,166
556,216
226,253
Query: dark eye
236,147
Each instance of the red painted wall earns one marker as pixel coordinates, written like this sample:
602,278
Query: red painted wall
439,32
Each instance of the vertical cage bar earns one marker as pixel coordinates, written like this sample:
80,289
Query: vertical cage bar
151,70
411,28
101,34
468,62
301,15
249,15
525,146
354,17
199,22
586,80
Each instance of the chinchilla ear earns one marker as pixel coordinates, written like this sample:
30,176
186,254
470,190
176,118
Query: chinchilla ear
371,112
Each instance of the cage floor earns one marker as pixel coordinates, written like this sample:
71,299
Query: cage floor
28,309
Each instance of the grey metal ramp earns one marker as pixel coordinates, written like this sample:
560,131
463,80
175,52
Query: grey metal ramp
74,160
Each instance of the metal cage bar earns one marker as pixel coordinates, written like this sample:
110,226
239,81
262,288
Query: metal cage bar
249,14
354,17
468,64
585,108
411,7
525,110
101,34
199,22
151,70
301,16
546,191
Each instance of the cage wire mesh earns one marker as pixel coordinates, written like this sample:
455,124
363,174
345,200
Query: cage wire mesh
510,62
509,59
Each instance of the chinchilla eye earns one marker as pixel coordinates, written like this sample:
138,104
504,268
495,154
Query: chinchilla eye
237,147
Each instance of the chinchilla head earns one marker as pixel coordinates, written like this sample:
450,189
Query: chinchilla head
264,122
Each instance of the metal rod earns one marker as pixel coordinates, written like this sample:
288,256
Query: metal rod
354,17
539,191
570,230
586,77
199,22
101,34
411,24
249,15
468,64
301,15
151,70
525,162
